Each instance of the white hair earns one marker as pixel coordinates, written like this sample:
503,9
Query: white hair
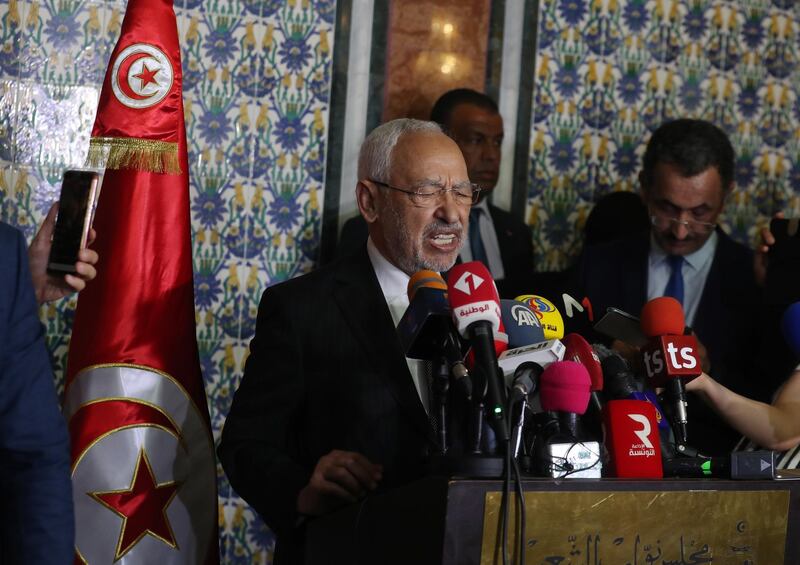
375,156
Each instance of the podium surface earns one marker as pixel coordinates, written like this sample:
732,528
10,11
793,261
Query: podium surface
575,521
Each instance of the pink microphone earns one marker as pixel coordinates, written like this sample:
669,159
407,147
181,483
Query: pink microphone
564,388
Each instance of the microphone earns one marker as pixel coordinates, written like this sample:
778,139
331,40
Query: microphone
790,326
578,349
670,358
564,388
543,353
426,330
525,383
621,384
550,318
476,311
632,439
522,325
526,378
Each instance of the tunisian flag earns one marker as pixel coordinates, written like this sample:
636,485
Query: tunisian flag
143,467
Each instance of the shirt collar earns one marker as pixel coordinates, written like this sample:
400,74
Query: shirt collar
695,260
393,281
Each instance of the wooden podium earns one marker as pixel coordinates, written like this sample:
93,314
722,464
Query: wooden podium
578,521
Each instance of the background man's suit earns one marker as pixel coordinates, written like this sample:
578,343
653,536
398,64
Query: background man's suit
326,371
36,515
615,274
513,237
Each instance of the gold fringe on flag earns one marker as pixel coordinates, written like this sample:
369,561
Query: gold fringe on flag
133,153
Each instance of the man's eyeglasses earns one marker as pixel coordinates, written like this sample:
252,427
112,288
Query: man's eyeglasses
693,226
430,194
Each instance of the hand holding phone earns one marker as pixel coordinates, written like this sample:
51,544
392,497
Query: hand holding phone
52,285
79,192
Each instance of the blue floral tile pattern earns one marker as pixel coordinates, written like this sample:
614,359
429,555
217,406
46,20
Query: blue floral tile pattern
257,79
608,73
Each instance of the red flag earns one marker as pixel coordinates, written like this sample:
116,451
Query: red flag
143,470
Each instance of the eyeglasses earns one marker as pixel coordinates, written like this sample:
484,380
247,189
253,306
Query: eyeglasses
693,226
430,194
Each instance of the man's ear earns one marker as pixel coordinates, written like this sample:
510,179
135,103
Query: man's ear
367,198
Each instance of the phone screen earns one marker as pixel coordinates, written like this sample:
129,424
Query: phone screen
78,189
620,325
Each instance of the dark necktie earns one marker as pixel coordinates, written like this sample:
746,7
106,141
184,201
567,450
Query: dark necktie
674,286
475,242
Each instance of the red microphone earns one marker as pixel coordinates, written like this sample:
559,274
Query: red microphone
579,350
670,358
632,439
476,311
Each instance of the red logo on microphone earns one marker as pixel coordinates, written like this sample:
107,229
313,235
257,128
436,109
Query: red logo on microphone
468,282
671,356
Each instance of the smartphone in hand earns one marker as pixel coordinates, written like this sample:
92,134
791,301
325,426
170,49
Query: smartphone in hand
620,325
79,191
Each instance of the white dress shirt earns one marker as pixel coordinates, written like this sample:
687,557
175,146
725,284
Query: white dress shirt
394,285
696,267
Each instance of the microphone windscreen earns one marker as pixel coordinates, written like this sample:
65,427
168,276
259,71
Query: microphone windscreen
618,380
579,350
473,296
548,314
662,316
426,279
790,324
564,387
522,324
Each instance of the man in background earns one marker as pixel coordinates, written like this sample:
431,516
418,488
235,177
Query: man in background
496,238
687,174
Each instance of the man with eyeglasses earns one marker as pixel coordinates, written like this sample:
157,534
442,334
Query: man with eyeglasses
329,408
497,238
687,173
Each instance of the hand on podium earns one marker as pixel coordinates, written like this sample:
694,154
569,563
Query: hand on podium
340,478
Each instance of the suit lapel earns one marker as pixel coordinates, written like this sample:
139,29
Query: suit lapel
709,310
634,278
361,302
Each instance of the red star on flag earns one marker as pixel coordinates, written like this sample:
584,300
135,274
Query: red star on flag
146,76
143,507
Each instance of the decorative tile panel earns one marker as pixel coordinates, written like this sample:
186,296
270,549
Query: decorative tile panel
257,79
607,73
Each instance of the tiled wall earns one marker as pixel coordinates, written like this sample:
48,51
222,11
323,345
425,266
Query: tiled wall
256,90
609,71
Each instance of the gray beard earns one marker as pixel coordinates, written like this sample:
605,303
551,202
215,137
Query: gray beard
398,240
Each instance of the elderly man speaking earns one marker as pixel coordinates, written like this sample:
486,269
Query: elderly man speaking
329,408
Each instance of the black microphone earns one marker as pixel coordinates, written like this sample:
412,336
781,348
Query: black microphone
426,330
525,383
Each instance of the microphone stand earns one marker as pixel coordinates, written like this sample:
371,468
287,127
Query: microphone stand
441,385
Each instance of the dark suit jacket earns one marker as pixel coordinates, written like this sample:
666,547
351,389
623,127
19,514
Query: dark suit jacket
326,371
36,515
615,274
513,236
